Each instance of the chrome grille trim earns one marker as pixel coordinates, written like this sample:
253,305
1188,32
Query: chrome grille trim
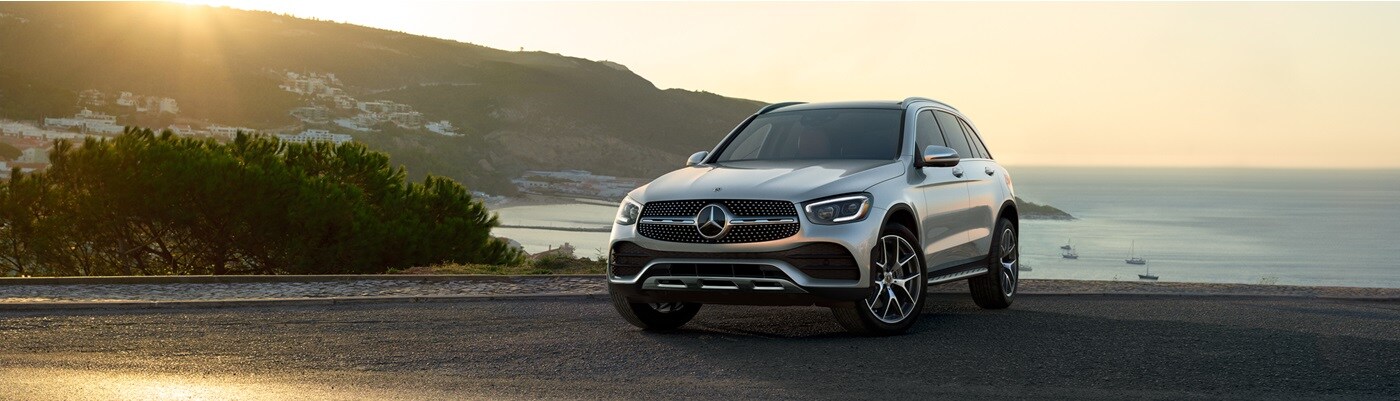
740,208
749,220
736,221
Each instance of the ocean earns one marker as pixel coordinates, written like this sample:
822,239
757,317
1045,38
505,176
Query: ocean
1218,225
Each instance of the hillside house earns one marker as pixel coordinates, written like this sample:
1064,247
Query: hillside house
315,135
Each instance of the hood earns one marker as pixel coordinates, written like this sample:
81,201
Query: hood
795,180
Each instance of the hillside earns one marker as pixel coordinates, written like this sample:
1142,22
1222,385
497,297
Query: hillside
515,110
1035,211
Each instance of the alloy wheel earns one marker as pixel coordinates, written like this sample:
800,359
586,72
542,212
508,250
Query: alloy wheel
667,307
1010,268
895,275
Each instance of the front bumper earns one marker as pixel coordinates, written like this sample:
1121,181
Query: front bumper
798,270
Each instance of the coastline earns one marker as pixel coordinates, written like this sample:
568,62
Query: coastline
545,200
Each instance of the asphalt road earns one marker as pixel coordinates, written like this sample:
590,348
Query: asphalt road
1102,347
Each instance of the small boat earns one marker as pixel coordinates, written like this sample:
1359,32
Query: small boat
1024,267
1133,259
1148,275
1070,254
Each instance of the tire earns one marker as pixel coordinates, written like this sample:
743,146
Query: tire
655,317
997,288
877,315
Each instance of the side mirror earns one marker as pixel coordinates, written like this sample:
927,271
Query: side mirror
940,156
697,158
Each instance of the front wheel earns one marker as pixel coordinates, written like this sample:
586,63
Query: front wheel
996,289
655,316
897,287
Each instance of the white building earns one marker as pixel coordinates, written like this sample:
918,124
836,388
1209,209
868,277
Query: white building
126,99
227,131
383,107
89,115
442,128
168,105
87,121
63,122
103,128
312,114
315,135
33,155
186,130
13,128
409,120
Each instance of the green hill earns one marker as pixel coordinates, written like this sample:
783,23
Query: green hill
517,110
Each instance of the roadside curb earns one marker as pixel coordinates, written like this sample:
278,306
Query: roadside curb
273,279
390,299
277,302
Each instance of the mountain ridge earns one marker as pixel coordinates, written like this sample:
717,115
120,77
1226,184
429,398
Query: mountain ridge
515,110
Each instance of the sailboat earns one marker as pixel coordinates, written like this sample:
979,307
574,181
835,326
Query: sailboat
1133,259
1148,275
1070,254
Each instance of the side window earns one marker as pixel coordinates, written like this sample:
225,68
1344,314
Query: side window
953,133
976,139
927,133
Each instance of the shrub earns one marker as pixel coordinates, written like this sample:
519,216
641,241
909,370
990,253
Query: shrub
147,204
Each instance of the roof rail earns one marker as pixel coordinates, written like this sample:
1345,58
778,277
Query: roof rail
924,99
776,106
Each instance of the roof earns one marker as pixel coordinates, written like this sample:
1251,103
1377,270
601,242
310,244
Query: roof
866,104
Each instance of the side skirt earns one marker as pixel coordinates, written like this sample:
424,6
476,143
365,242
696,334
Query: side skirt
959,272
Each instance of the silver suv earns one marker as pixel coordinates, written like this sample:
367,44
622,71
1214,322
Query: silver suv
857,206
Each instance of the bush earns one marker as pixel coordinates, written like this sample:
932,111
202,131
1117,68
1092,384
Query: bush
147,204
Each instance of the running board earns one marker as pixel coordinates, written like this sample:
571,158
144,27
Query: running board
956,276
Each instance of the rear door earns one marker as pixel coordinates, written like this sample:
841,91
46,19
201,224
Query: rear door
984,191
945,202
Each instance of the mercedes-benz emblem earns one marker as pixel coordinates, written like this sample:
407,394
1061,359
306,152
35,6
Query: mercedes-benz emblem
713,221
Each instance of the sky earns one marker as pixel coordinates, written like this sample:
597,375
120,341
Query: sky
1273,85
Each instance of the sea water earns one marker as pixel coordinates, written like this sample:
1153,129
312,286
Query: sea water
1298,227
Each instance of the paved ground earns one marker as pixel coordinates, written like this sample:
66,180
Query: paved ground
1046,346
23,291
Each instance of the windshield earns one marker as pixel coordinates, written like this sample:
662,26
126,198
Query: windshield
818,134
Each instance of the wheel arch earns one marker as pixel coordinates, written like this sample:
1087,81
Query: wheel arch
904,215
1008,211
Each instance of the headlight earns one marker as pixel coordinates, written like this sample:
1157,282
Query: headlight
628,212
842,209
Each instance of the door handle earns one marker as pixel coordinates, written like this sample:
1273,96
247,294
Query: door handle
957,172
989,171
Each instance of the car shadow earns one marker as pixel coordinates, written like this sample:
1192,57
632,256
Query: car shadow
957,349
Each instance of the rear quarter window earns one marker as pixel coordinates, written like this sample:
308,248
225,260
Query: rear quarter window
953,133
975,139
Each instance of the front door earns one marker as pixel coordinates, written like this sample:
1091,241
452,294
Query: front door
945,202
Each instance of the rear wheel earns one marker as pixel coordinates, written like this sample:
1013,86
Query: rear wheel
655,316
897,290
996,289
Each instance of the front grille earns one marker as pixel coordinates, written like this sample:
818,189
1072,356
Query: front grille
820,260
737,234
740,208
